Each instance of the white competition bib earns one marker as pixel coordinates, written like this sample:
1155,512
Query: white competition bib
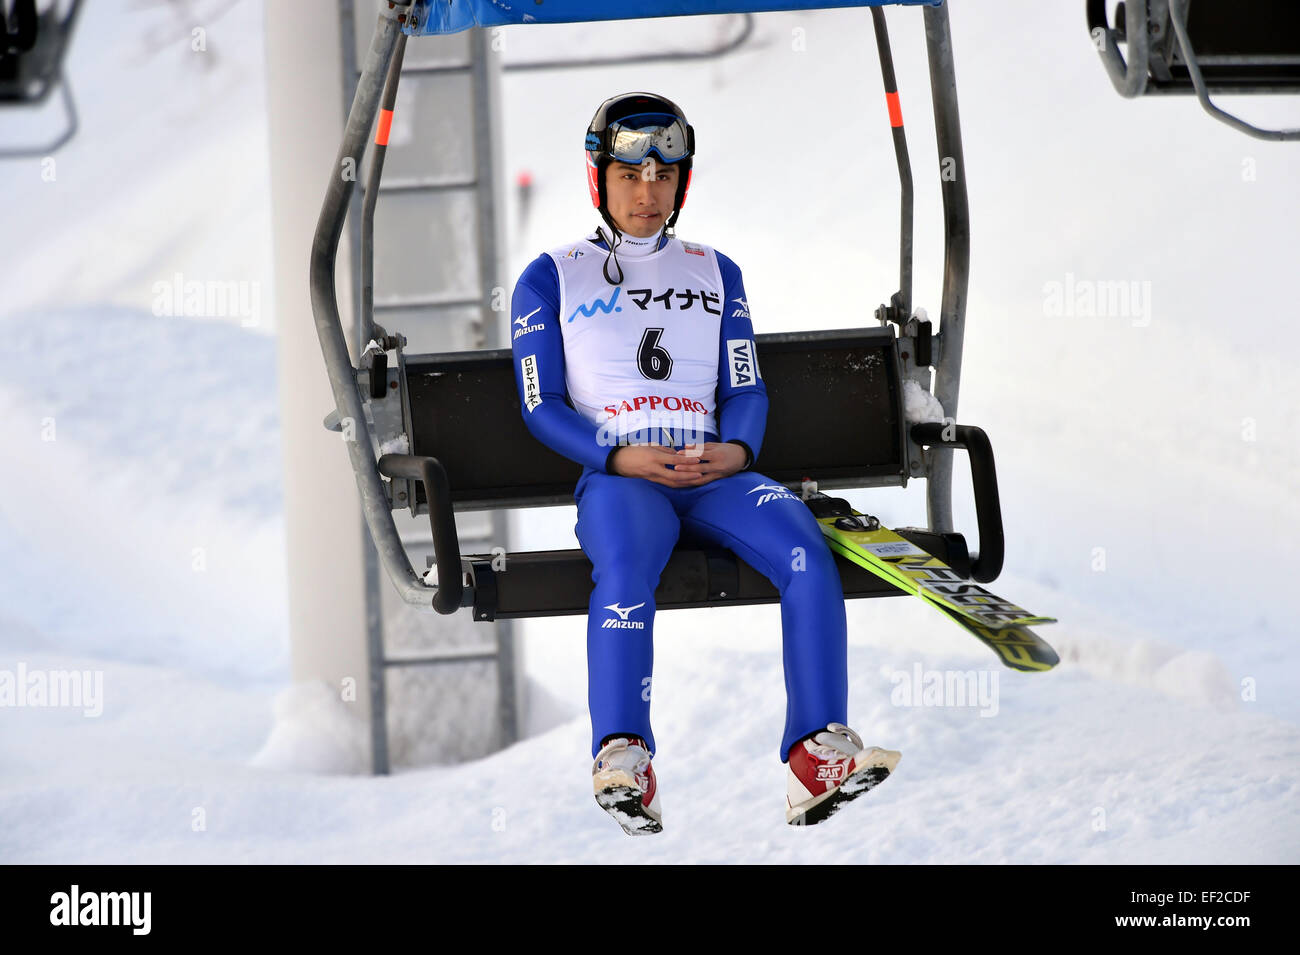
641,359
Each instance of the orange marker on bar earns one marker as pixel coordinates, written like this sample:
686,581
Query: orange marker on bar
895,110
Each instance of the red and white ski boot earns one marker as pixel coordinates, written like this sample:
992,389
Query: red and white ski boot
830,769
624,781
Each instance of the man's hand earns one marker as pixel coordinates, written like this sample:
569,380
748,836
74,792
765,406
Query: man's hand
693,466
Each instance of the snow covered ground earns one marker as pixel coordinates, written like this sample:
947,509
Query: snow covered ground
1146,458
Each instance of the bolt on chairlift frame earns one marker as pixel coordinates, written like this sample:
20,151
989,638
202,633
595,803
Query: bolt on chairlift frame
356,389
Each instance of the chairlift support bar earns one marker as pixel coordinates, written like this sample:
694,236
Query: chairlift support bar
904,163
956,256
375,504
370,200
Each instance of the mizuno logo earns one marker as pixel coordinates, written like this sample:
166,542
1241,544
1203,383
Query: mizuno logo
624,611
775,492
600,305
524,327
743,311
623,623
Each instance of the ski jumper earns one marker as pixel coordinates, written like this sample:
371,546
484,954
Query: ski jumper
667,357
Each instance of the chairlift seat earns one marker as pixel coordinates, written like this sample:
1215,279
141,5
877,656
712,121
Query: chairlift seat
841,419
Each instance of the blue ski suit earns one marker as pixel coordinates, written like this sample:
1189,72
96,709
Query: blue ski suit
582,353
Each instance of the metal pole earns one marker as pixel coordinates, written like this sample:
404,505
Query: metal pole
366,324
486,78
956,265
904,161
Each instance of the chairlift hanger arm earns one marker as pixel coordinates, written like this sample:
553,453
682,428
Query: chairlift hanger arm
349,407
904,305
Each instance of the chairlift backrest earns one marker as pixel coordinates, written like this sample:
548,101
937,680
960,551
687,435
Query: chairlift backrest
841,419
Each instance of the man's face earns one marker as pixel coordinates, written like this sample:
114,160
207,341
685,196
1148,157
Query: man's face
640,198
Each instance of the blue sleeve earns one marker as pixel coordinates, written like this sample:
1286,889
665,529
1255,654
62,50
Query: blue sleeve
742,396
537,347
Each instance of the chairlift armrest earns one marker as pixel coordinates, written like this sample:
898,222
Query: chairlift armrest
1129,79
987,564
446,546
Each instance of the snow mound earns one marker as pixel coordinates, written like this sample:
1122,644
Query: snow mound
315,731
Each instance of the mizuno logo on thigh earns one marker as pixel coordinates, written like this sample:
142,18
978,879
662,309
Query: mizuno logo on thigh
623,623
772,492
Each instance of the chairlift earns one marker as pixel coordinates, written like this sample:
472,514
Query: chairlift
1202,48
32,48
437,408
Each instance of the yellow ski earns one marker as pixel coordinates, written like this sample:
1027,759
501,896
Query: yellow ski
996,622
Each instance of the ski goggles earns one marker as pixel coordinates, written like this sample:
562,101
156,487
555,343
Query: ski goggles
633,138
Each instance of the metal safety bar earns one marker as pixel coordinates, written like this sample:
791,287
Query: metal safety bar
375,504
446,546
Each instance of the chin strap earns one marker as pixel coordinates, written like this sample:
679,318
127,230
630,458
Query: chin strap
615,237
613,241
